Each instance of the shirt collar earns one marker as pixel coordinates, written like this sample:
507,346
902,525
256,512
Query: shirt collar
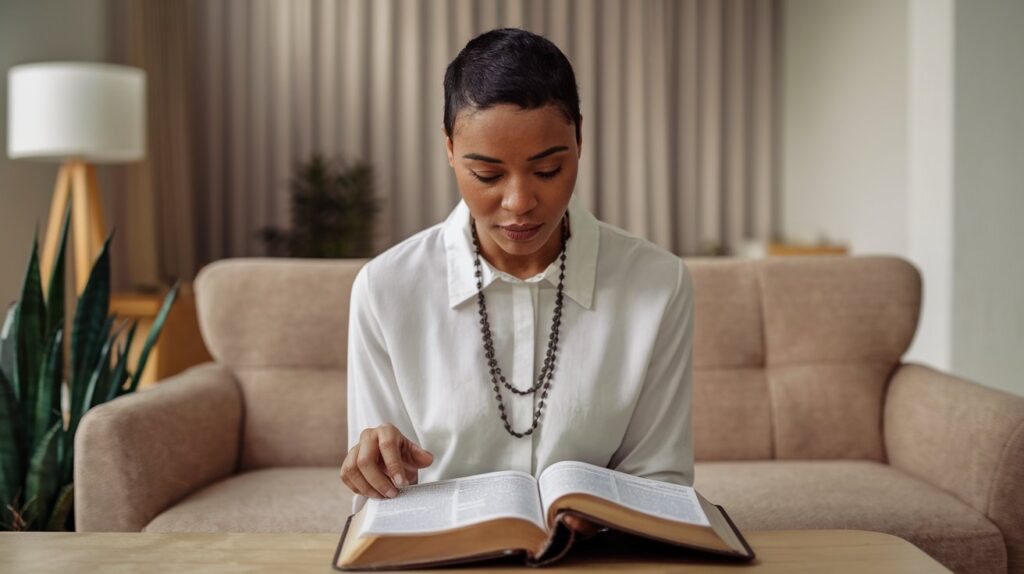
580,257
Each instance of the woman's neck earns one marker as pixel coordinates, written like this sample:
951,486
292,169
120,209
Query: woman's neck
521,266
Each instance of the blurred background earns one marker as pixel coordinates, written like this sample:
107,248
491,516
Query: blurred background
744,128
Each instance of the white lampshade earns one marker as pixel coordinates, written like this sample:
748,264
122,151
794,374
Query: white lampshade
61,110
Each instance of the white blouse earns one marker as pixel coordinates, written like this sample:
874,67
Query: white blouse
620,393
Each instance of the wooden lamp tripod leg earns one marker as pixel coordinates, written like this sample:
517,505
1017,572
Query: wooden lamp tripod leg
80,223
58,205
76,181
97,225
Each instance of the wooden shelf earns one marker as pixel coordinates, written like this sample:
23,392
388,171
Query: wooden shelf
180,345
777,249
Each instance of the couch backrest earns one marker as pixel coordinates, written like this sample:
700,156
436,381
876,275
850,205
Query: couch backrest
792,355
282,326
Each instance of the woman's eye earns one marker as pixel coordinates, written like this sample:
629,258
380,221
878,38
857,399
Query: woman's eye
491,179
549,174
494,178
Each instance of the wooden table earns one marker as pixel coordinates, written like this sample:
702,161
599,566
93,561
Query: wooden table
788,551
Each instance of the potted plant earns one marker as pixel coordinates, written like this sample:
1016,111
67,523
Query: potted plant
332,212
37,431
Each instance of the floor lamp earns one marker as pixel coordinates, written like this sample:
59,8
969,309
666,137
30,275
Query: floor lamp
78,114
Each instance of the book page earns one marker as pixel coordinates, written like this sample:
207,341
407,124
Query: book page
656,498
456,502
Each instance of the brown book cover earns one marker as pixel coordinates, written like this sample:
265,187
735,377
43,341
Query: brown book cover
631,505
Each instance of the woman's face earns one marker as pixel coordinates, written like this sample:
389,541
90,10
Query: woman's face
516,170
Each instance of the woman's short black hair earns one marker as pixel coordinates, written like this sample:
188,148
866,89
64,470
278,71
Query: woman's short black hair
510,66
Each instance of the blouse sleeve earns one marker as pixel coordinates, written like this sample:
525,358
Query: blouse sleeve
373,395
658,443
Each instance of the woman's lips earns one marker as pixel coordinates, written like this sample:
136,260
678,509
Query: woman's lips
524,235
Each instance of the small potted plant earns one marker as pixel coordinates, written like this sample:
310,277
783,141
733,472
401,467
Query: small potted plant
332,212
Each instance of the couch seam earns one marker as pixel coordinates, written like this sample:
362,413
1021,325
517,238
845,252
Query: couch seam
999,468
759,278
800,364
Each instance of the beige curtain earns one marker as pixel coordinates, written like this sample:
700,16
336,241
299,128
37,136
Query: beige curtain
151,202
678,99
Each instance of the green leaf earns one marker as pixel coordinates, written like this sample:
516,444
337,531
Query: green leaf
154,334
107,379
100,372
7,342
49,384
55,289
41,481
121,370
59,516
31,340
12,445
90,316
81,394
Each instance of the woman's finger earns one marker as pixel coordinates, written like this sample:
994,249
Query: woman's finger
369,464
360,486
352,478
414,458
417,455
390,443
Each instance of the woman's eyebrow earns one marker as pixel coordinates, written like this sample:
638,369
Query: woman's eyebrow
542,154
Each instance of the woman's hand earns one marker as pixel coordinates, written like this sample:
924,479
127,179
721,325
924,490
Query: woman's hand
584,528
382,462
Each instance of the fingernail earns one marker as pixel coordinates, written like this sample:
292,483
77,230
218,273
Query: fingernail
392,493
400,481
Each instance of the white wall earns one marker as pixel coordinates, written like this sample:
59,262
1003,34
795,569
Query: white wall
33,31
844,167
904,134
930,175
867,124
988,278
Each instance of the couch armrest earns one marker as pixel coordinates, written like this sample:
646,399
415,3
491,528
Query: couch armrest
139,454
965,438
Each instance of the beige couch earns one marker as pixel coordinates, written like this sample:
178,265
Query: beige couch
804,416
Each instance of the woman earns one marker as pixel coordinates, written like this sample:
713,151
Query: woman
448,328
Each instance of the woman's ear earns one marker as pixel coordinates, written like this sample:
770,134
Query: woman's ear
449,147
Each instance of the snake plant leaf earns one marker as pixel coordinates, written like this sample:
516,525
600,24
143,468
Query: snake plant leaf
30,339
49,384
12,447
7,342
59,516
79,401
154,333
90,315
105,379
41,480
55,282
101,371
121,370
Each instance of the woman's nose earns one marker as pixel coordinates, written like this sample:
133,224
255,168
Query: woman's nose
518,198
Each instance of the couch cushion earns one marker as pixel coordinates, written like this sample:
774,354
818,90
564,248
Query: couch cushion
859,495
792,354
299,499
835,328
293,417
275,312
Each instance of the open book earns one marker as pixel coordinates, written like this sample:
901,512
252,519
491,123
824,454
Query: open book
510,512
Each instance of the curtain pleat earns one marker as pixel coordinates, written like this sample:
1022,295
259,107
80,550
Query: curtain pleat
678,100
